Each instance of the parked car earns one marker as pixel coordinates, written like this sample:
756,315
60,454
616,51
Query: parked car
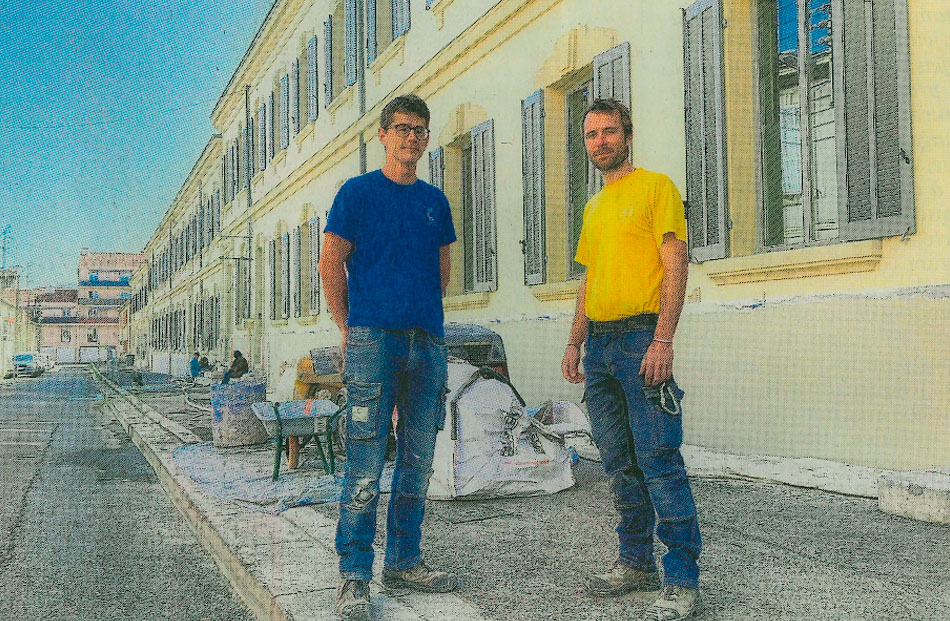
26,364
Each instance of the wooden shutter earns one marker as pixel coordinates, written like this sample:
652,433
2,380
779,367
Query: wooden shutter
349,42
312,103
272,262
295,97
271,135
532,175
251,159
483,198
875,154
611,81
217,211
372,45
706,199
284,111
262,137
296,271
437,168
285,291
401,19
314,235
236,284
328,61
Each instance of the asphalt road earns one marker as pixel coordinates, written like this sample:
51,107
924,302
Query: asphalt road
86,531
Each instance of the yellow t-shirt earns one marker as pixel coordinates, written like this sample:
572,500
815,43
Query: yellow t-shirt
623,228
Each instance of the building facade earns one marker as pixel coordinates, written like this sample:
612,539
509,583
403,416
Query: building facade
83,324
802,134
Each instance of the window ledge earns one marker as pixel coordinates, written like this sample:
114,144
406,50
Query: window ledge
280,323
549,292
345,96
395,50
308,320
466,301
280,157
843,258
305,132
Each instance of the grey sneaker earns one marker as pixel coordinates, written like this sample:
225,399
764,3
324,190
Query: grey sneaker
352,600
675,602
622,579
420,578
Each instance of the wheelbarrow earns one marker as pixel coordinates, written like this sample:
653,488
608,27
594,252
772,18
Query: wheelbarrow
293,424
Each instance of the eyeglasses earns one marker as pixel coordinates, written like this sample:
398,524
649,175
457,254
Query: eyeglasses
402,130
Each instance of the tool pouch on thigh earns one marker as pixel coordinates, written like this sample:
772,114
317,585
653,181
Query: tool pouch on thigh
666,396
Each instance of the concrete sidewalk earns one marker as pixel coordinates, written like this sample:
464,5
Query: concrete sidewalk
510,554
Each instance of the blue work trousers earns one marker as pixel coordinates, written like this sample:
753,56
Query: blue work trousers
387,368
639,441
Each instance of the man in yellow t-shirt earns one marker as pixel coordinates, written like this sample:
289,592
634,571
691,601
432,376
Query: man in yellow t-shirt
633,243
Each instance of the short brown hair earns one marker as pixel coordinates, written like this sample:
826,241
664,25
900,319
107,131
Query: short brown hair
612,106
408,104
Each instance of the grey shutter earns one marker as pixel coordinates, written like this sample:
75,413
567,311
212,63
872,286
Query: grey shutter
350,42
483,198
532,174
270,126
246,275
262,137
217,320
372,45
297,272
611,81
251,159
401,19
437,168
312,105
295,97
706,198
236,292
285,275
284,111
217,211
224,175
314,235
272,262
328,61
875,152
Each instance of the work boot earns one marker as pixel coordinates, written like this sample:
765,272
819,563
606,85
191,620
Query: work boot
622,579
675,602
352,600
420,578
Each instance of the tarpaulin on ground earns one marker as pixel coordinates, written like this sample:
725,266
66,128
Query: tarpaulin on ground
243,475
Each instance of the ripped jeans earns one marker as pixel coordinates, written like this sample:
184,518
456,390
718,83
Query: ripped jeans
386,368
639,443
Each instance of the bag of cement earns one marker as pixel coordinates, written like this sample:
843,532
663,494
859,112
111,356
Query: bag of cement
491,446
233,423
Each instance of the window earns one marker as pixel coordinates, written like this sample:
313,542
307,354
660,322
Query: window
379,27
350,50
284,257
480,233
92,336
295,97
833,124
272,111
296,271
262,137
339,50
65,334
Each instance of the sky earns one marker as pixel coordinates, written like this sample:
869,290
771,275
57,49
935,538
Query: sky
104,108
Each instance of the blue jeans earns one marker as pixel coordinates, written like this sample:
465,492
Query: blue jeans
386,368
639,444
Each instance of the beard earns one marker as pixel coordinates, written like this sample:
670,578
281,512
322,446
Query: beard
615,161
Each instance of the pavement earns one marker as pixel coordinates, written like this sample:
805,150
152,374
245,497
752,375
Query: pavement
783,538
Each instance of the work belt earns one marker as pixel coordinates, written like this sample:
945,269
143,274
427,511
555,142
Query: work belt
643,321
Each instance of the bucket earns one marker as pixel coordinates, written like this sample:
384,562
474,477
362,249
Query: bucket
232,421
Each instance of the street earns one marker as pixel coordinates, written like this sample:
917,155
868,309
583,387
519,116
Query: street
86,531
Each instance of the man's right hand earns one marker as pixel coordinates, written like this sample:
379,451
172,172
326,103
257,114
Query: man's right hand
570,364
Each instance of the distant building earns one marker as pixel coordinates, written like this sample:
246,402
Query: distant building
83,324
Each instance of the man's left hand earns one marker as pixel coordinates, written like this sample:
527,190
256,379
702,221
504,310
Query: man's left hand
657,365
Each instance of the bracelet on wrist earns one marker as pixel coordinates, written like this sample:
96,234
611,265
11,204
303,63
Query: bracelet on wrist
670,342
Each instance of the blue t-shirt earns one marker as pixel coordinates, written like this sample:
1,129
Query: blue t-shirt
396,230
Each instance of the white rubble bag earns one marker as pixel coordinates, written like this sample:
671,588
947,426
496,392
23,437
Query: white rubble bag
491,446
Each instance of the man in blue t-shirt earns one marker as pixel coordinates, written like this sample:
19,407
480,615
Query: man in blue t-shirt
385,264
